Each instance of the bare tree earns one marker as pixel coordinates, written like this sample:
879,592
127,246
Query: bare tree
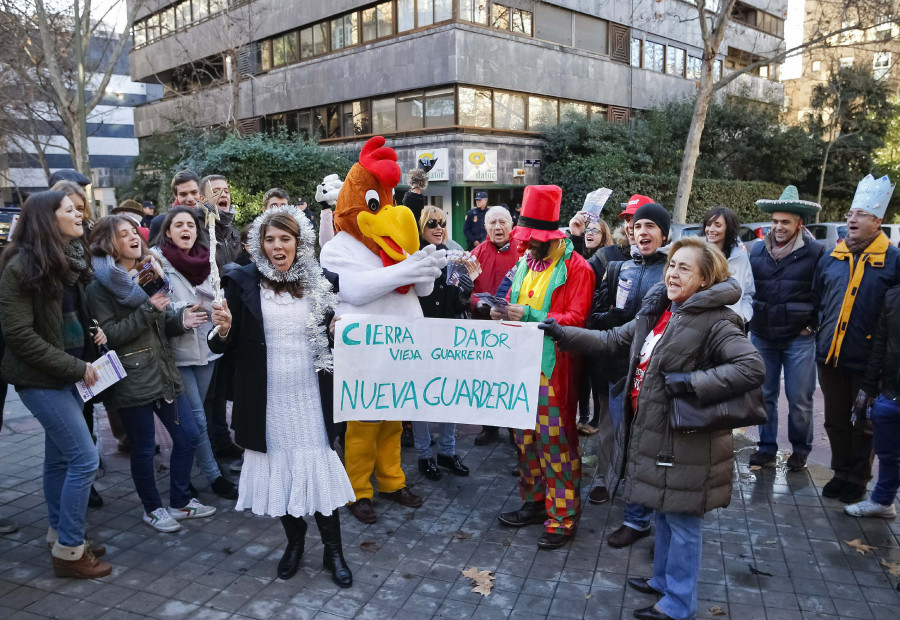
715,18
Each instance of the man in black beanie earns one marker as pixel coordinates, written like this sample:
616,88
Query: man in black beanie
618,300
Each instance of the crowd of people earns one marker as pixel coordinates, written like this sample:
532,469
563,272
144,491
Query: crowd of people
632,322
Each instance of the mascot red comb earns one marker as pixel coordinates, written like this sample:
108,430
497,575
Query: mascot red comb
375,252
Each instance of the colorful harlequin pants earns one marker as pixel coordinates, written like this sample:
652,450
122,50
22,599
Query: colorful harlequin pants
550,464
374,446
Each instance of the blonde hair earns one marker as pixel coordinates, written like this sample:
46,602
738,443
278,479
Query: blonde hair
70,188
428,212
713,265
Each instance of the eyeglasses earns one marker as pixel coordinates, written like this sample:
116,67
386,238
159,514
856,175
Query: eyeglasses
434,223
592,231
858,213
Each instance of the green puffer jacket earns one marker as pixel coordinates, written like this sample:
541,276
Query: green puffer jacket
139,337
32,329
701,334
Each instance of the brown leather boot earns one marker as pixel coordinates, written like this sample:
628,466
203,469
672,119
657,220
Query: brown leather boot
78,562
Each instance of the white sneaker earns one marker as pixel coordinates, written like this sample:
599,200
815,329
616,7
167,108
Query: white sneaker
194,510
868,508
161,520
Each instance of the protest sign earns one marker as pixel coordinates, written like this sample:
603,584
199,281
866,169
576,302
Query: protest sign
439,370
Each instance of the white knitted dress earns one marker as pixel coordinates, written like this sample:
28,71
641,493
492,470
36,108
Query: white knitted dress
299,473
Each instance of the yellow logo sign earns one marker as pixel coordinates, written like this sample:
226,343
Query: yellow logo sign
476,158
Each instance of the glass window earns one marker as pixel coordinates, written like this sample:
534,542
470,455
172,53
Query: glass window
167,21
183,14
654,56
509,111
153,27
333,121
542,112
694,66
406,15
410,112
265,55
140,33
522,21
384,116
675,61
474,11
306,44
356,119
717,70
201,9
385,19
474,107
569,109
424,13
278,51
439,108
320,38
369,25
881,64
304,119
344,31
217,6
291,52
318,123
443,10
599,112
635,52
500,16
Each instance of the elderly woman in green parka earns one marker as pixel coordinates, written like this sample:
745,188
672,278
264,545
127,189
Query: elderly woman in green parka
683,340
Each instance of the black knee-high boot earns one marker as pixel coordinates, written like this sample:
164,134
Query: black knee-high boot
330,529
295,529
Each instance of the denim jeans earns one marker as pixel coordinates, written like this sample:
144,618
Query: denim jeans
196,384
636,517
798,359
422,438
676,563
70,458
179,421
885,417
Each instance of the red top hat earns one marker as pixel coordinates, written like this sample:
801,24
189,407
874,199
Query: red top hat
539,219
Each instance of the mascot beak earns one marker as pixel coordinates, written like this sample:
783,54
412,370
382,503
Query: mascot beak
393,228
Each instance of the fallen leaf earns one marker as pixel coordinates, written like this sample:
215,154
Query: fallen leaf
481,578
369,546
717,611
460,535
756,571
755,467
860,546
227,551
893,567
587,596
769,542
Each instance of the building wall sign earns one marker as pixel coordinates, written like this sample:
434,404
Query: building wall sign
436,162
479,165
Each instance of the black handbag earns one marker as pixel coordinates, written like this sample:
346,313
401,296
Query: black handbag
689,415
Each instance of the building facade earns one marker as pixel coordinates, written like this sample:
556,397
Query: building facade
112,144
469,84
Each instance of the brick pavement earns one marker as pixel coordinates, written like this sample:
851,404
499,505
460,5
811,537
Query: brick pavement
408,564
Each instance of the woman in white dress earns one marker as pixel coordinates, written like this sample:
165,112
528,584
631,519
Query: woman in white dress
275,318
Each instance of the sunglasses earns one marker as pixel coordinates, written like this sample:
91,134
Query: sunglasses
434,223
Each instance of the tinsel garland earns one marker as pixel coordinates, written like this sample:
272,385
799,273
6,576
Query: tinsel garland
306,271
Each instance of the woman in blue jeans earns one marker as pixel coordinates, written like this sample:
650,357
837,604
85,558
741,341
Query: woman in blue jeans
138,326
48,343
183,250
882,406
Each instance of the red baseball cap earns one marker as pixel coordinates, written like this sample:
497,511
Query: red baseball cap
635,203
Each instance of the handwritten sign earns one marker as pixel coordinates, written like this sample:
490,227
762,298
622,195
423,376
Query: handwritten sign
439,370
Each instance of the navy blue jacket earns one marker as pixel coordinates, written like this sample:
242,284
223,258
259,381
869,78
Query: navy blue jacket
884,361
857,303
474,229
784,302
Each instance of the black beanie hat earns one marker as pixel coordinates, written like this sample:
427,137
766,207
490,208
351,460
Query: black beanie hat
657,214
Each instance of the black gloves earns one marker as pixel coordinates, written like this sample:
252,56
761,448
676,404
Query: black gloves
861,405
678,383
552,329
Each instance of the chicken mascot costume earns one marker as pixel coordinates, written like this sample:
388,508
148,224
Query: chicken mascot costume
375,252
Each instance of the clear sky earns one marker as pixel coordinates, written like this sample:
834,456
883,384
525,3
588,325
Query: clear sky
793,36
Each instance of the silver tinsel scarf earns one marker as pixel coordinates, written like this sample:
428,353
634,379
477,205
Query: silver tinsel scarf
306,271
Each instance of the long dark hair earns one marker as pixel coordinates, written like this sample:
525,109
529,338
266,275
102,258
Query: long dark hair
285,222
732,226
42,248
161,238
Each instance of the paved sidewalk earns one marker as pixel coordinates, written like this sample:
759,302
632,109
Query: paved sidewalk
777,552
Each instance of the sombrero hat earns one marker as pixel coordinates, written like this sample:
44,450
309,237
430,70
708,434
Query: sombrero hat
790,203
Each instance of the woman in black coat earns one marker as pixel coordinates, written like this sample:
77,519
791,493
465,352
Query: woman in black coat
275,322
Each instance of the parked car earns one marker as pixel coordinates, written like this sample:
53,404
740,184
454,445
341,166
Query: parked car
6,218
829,233
893,233
749,234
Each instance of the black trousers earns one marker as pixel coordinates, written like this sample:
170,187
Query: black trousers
215,406
851,442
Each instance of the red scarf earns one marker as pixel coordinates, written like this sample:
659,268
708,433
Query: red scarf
193,265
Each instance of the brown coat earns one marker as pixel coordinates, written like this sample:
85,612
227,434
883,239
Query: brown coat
703,329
